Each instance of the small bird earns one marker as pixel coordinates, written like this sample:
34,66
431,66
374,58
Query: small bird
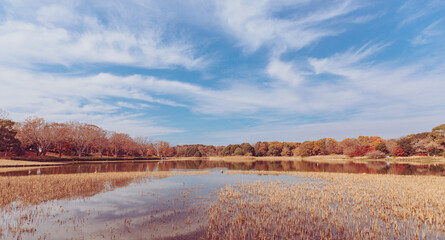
222,171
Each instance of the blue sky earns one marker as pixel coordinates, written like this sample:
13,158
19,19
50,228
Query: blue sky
220,72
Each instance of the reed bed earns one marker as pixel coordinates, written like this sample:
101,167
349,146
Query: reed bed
28,202
331,206
40,188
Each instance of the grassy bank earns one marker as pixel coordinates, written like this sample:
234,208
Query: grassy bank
82,159
19,163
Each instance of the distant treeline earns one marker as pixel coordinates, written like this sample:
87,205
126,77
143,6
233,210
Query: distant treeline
87,140
421,144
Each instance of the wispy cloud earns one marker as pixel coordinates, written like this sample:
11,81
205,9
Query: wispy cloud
256,25
61,35
433,32
282,60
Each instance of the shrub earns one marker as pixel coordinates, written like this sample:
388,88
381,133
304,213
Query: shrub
361,151
376,154
399,152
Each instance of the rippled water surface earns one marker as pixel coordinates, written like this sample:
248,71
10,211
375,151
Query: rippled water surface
378,167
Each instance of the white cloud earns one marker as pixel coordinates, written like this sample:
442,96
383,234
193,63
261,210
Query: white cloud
386,128
284,71
59,34
258,24
434,31
411,87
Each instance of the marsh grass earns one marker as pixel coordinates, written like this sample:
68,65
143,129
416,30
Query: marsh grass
40,188
331,206
28,201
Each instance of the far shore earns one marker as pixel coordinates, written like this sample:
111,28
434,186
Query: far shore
418,160
341,159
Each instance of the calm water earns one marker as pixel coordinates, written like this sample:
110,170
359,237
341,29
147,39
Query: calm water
169,208
302,166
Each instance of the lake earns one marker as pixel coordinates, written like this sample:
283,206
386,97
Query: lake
167,206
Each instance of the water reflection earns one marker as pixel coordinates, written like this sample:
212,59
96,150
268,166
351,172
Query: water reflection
302,166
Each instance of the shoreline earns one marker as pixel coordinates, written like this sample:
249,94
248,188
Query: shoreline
339,159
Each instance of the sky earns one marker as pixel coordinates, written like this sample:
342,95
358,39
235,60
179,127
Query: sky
220,72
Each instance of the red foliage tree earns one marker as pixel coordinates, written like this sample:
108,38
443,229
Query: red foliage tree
361,151
399,152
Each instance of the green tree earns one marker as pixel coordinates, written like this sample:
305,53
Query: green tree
381,146
248,149
438,133
8,142
238,152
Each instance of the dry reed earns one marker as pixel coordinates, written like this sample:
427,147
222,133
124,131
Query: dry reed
331,206
40,188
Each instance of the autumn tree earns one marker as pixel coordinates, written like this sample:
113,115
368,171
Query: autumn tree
229,150
248,150
238,152
275,148
399,152
308,148
36,133
119,141
80,137
143,144
438,134
288,149
60,133
100,141
391,146
163,148
348,145
152,150
427,146
261,148
381,146
407,143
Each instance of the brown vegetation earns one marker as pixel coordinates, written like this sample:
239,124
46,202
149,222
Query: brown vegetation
331,206
5,162
41,188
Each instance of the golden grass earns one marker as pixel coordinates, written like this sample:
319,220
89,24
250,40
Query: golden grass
7,162
331,206
14,169
41,188
180,215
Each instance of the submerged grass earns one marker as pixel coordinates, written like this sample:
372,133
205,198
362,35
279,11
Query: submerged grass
331,206
40,188
30,202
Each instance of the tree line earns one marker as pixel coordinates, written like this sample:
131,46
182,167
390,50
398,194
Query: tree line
73,139
87,140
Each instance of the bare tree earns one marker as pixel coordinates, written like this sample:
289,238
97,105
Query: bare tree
143,144
163,148
59,132
119,141
80,136
100,140
37,133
